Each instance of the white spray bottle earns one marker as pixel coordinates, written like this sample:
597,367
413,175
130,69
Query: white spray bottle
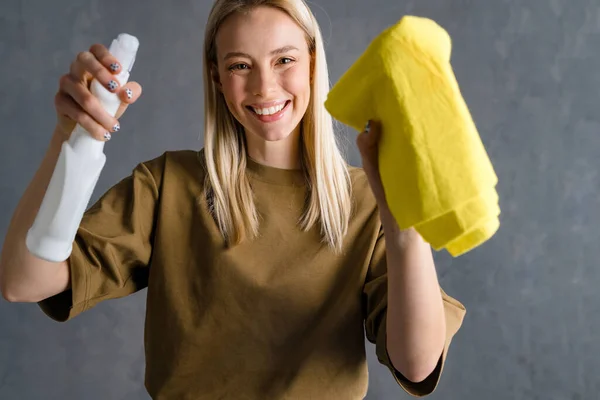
77,170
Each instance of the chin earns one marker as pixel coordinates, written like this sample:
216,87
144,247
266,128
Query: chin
275,135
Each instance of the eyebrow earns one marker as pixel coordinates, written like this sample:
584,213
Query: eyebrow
280,50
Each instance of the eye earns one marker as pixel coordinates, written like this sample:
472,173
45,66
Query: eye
238,67
285,60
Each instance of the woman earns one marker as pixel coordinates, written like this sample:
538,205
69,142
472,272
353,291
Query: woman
264,253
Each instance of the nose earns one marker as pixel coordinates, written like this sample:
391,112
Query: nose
262,81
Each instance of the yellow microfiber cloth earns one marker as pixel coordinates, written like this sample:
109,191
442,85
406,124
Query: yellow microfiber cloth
436,174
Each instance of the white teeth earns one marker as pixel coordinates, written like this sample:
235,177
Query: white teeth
270,110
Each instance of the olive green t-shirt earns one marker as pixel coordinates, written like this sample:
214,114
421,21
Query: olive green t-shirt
279,317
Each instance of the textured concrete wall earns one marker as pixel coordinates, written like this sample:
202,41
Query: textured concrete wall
530,72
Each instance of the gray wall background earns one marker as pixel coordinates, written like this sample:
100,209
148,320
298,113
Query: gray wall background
530,71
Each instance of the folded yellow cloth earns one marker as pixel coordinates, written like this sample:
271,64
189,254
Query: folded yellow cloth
435,171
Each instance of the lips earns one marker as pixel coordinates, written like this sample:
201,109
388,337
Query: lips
268,109
273,113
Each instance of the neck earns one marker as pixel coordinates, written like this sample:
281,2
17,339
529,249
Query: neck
283,154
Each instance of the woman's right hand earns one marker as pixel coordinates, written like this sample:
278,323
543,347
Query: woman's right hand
75,103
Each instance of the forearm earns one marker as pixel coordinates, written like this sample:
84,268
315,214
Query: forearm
416,327
19,270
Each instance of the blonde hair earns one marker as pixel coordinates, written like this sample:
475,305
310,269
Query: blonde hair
227,186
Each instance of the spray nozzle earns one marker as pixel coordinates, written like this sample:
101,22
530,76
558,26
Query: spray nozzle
125,48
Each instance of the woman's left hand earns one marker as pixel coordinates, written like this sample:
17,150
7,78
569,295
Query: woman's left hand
368,145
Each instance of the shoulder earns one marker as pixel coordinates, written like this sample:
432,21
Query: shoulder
362,196
182,165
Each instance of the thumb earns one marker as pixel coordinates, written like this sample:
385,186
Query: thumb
368,139
128,94
121,110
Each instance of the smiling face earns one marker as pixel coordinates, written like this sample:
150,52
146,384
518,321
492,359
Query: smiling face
263,72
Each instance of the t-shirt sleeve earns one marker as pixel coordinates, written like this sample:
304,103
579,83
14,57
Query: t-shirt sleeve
112,248
375,305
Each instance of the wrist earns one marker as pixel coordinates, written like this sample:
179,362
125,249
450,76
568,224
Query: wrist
392,230
386,216
57,139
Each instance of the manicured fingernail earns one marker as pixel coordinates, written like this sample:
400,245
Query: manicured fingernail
368,127
114,67
112,85
129,93
116,128
107,136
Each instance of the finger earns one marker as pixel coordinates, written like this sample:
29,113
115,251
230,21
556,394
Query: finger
373,130
79,73
86,61
128,95
364,140
130,92
105,58
71,109
121,110
90,104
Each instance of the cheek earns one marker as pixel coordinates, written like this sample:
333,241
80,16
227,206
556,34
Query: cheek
233,90
297,82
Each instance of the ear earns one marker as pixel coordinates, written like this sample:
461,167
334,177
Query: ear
214,73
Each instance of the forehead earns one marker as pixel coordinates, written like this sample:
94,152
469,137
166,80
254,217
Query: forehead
259,31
